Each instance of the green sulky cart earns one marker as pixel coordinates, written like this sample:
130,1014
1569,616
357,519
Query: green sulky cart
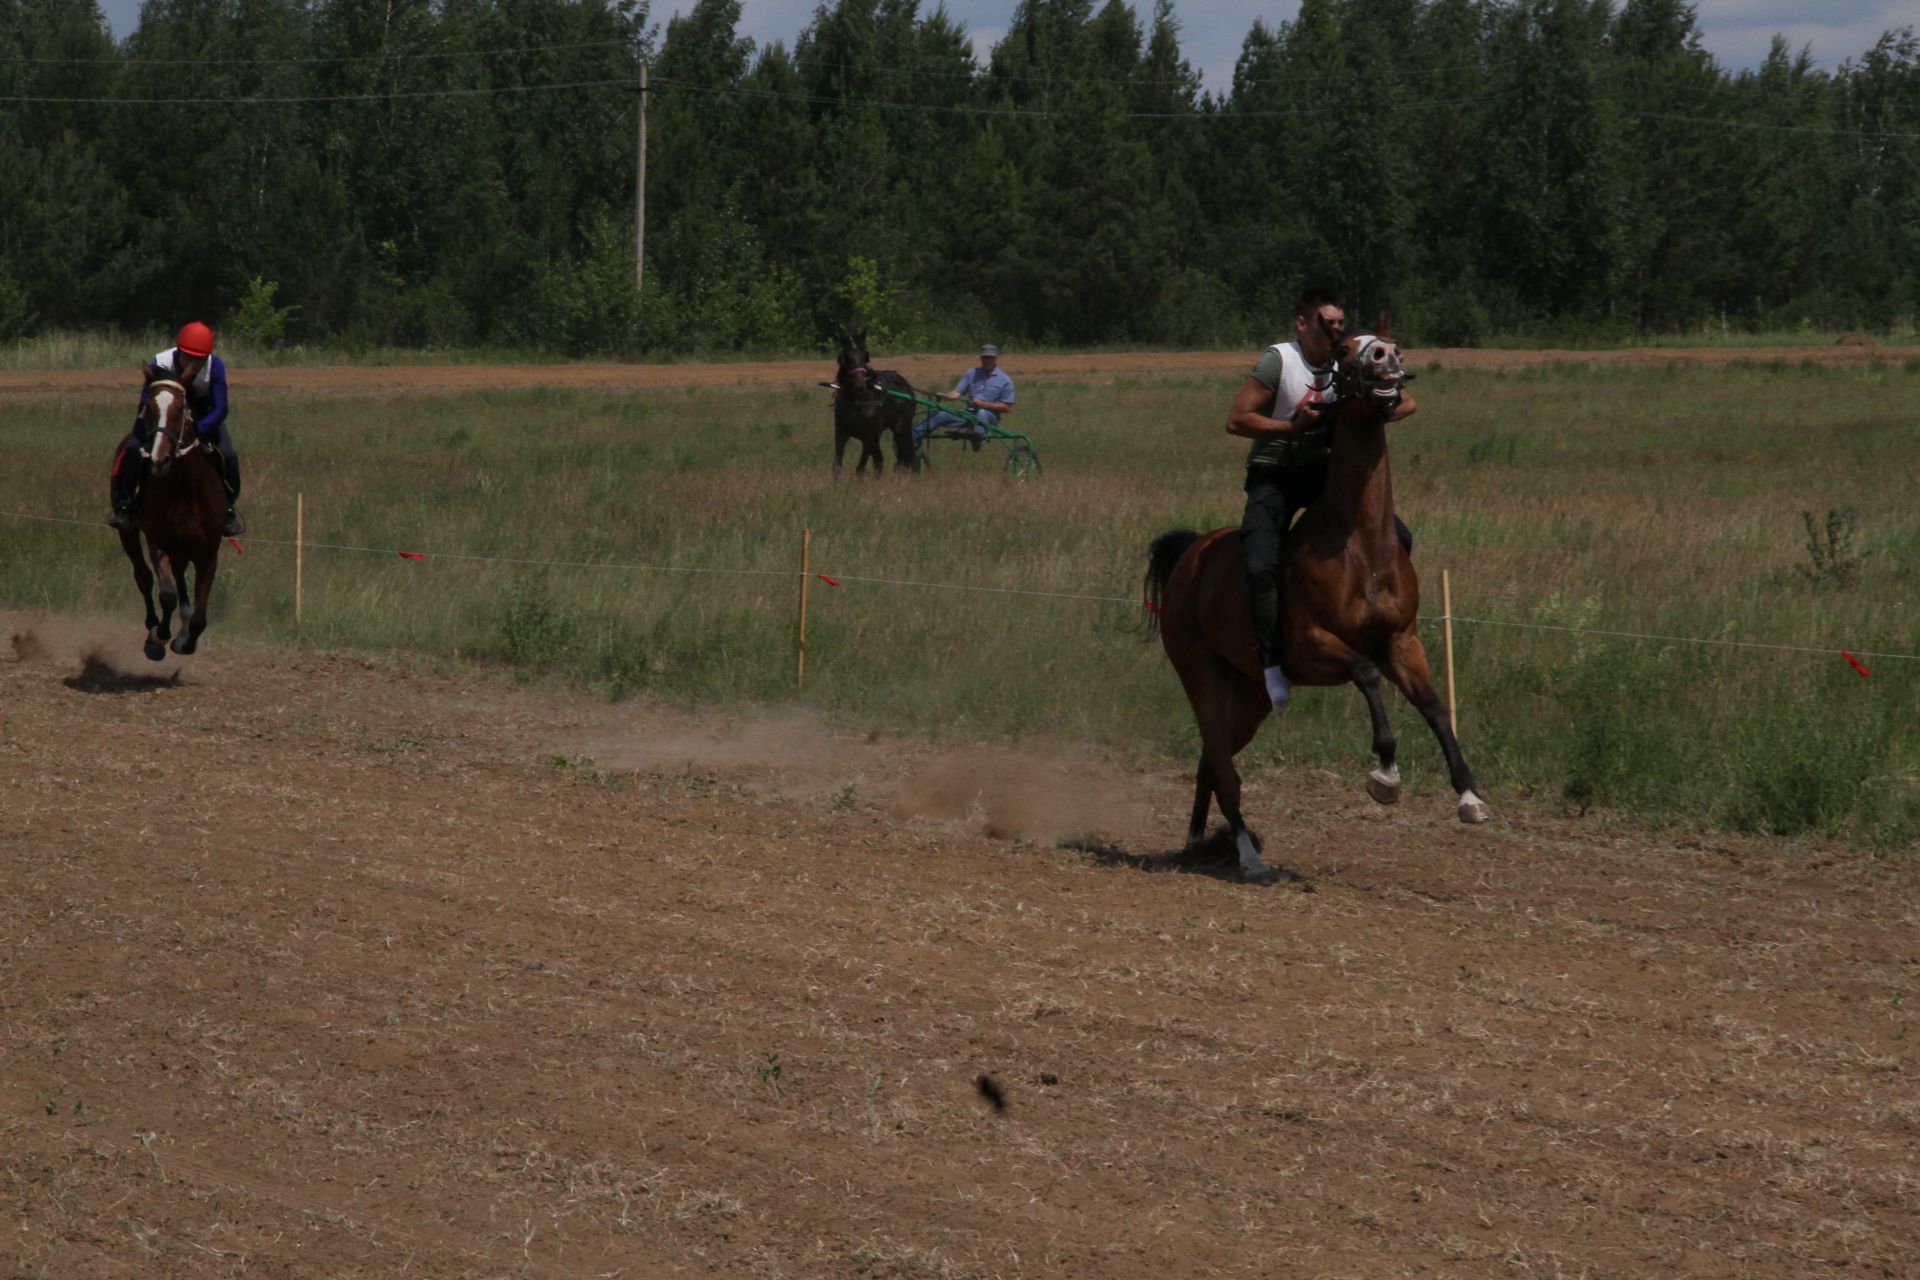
1022,460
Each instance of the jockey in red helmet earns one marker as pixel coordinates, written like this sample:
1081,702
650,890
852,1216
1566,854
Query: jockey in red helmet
191,363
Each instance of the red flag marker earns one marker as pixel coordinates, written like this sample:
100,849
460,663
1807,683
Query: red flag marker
412,555
824,578
1855,663
236,546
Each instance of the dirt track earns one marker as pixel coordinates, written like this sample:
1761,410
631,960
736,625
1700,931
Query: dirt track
926,369
318,967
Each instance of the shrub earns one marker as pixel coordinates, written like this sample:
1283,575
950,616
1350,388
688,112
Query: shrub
1832,560
256,318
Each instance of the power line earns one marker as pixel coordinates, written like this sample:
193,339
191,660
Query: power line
745,91
988,75
1771,128
130,61
337,97
1218,110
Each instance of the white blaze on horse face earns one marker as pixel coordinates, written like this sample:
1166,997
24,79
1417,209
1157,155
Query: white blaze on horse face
162,410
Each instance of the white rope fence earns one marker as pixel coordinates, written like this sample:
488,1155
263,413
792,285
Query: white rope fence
837,580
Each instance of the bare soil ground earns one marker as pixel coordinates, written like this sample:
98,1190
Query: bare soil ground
928,370
313,966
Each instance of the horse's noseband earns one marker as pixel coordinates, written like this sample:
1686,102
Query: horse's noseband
1374,370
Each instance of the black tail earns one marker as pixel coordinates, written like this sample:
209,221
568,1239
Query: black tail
1163,553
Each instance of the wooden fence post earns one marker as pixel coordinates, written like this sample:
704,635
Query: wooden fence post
299,554
806,577
1446,608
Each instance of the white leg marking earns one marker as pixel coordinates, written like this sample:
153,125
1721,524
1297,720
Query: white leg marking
1473,809
1250,865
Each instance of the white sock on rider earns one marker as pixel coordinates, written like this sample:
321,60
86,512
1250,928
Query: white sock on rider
1279,691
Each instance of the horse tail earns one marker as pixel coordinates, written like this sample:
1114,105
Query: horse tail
1163,553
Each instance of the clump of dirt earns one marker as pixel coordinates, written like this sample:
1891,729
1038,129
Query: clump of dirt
26,646
1016,794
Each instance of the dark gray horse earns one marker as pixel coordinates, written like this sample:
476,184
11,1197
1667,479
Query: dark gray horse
862,409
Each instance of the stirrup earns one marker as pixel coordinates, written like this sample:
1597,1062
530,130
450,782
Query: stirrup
122,520
234,526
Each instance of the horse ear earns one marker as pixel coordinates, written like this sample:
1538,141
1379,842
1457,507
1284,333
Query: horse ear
1385,327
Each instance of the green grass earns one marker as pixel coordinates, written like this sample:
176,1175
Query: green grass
1652,500
105,349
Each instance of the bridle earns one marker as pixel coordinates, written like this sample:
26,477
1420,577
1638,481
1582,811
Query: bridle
858,379
1373,373
162,458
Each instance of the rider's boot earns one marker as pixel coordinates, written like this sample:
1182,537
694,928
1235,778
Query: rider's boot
234,526
125,491
1279,689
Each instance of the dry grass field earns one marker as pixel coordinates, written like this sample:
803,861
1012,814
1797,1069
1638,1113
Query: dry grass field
315,966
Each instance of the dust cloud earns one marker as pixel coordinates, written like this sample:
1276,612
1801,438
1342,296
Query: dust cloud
1017,794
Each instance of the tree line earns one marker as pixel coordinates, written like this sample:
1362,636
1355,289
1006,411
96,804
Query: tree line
458,172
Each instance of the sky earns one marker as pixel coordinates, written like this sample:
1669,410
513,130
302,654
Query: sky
1736,32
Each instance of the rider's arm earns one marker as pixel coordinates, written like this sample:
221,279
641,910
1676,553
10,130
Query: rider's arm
1248,417
217,389
997,406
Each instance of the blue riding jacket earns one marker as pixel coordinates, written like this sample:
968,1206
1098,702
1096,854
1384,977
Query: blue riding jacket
206,394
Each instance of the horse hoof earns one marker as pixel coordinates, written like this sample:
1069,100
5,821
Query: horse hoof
184,646
155,651
1474,810
1384,787
1263,876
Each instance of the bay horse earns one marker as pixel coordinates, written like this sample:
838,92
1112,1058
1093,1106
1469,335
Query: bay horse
1350,600
182,507
862,409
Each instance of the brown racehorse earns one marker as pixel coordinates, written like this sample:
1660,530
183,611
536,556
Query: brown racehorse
1350,603
182,508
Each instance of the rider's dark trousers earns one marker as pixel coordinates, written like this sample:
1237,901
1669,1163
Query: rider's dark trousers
1275,495
129,468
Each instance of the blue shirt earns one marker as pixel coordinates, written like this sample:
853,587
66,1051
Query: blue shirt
981,385
206,394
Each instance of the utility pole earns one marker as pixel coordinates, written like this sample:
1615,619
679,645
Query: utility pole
640,193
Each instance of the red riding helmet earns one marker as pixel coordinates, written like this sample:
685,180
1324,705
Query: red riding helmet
195,340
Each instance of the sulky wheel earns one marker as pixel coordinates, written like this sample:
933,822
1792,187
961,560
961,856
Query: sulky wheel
1022,462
